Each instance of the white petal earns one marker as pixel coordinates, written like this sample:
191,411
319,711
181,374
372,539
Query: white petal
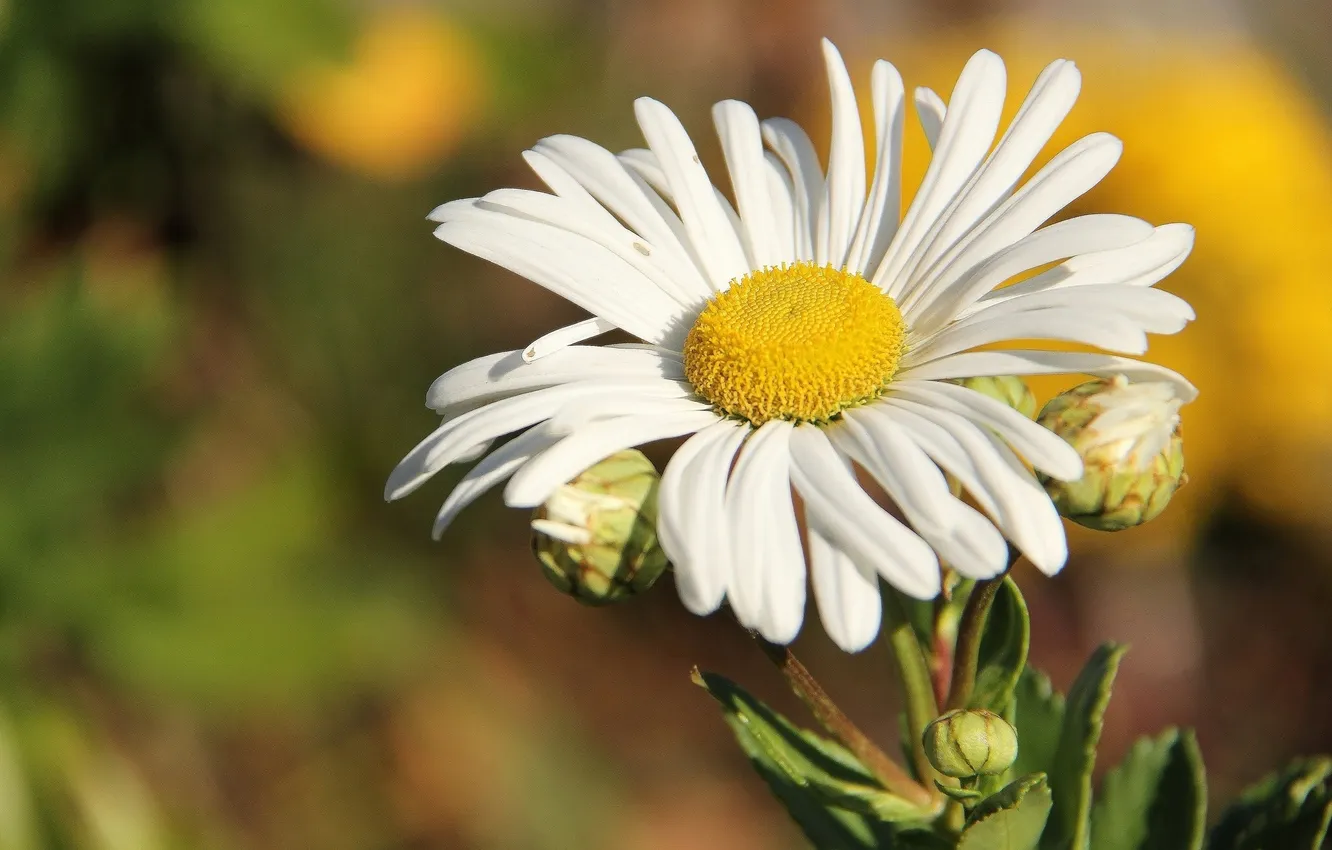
931,111
1139,264
625,195
1069,175
781,195
978,364
999,482
968,131
604,230
1085,234
1153,310
497,376
495,468
844,189
847,594
695,197
1050,99
768,579
792,145
564,184
839,509
548,344
574,267
1109,331
883,208
591,443
966,540
454,439
614,404
742,144
692,521
1042,448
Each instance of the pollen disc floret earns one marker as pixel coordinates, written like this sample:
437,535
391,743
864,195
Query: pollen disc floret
798,342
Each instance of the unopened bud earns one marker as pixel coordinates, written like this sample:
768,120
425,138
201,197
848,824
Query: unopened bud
970,742
596,537
1009,389
1132,452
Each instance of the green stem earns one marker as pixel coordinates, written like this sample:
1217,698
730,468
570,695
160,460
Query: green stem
826,712
913,671
966,655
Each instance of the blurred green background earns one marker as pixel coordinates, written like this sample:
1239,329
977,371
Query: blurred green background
220,307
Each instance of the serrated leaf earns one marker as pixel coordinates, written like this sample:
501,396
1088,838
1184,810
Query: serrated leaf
1075,756
1037,713
1289,810
1156,799
1012,819
1003,650
835,800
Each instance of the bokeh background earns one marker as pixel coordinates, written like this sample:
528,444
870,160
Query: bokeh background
220,307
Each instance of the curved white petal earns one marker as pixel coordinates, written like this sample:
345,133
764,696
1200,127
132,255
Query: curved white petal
629,199
847,594
844,189
1084,234
1042,448
591,443
610,405
709,229
548,344
839,508
1153,310
455,439
781,195
883,207
578,269
495,376
742,145
981,364
792,146
767,590
999,482
1046,106
692,521
931,110
1139,264
1112,332
967,133
963,537
1068,176
495,468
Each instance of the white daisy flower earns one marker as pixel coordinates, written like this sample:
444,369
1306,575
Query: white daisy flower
805,331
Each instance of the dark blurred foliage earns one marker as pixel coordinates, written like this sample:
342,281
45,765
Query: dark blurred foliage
220,309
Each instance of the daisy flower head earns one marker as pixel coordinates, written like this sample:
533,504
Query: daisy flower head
799,329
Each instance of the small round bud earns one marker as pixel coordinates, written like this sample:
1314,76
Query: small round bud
1132,452
1009,389
970,742
596,537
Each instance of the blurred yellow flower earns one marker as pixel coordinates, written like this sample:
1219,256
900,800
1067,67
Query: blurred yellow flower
413,90
1218,135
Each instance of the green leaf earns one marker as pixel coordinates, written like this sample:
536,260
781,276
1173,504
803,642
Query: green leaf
1012,819
1003,650
835,800
1075,756
1038,714
1289,810
1155,800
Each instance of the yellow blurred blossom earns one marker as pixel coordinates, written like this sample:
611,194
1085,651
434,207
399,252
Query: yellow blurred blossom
1219,135
413,90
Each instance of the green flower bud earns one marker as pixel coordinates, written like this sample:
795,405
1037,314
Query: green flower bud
1009,389
596,537
963,743
1132,452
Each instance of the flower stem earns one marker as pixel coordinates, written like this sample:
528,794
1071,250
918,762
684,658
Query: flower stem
826,712
966,654
913,672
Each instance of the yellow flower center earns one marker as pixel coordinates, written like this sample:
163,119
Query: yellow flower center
799,342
